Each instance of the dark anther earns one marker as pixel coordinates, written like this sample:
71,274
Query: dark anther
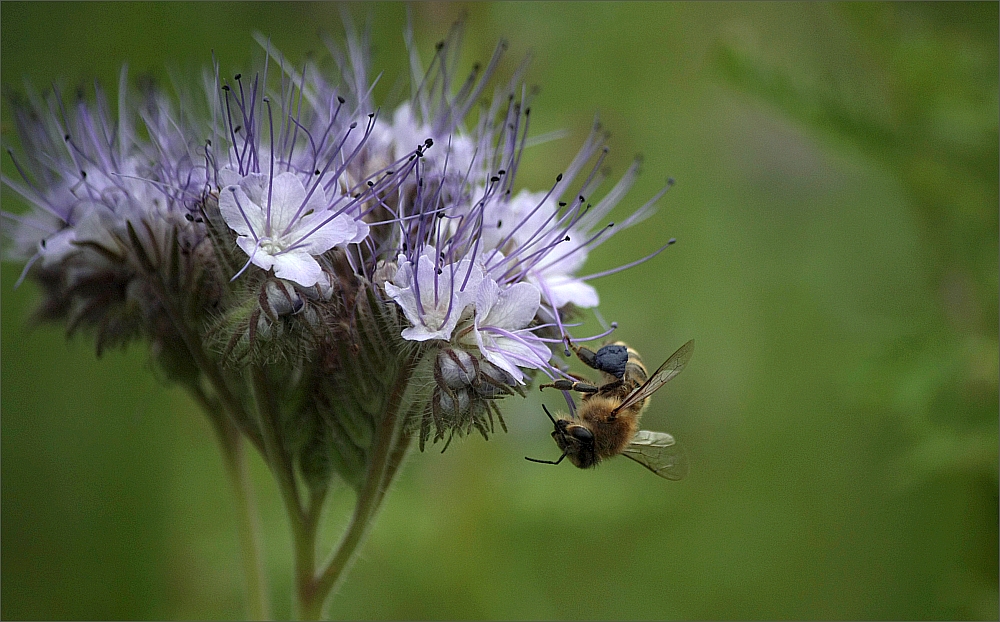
43,242
389,172
189,217
670,181
499,224
527,111
671,241
559,177
566,239
225,87
353,125
199,219
83,174
316,172
236,130
440,271
341,99
501,172
66,137
266,99
239,75
371,184
371,115
429,142
494,179
562,203
439,46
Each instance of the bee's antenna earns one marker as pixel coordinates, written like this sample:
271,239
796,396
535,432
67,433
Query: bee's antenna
551,418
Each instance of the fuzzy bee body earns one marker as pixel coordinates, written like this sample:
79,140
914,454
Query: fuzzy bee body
607,421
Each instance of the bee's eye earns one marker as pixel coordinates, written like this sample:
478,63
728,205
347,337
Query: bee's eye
581,433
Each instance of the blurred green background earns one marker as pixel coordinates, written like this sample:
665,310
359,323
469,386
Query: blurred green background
836,211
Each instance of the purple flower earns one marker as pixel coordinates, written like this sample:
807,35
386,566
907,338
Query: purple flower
282,226
433,295
500,328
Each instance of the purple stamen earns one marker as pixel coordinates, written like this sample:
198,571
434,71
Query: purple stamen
270,175
247,264
243,212
632,264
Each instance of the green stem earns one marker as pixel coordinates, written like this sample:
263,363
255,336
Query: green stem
387,452
248,521
223,411
249,532
274,449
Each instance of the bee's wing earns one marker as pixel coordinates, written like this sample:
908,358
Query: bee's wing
658,452
670,368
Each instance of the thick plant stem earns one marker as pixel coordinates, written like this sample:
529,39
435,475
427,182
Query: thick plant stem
387,452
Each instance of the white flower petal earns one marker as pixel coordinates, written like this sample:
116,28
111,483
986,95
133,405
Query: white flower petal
514,307
340,229
255,187
299,267
258,257
560,289
489,347
287,197
236,218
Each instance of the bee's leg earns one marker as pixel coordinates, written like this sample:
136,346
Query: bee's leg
568,385
588,356
546,461
611,386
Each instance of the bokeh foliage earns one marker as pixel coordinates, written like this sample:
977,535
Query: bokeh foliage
836,212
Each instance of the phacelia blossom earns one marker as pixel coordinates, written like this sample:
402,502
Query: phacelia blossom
433,298
500,328
283,226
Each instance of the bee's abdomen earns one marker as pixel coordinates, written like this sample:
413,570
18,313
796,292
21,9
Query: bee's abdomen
635,371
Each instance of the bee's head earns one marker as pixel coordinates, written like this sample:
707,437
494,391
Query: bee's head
575,440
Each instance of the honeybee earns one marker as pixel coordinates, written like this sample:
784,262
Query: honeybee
607,422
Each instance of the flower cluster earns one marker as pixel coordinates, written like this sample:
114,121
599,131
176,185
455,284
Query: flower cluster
328,282
281,224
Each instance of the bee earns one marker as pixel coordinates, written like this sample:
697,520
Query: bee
607,421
